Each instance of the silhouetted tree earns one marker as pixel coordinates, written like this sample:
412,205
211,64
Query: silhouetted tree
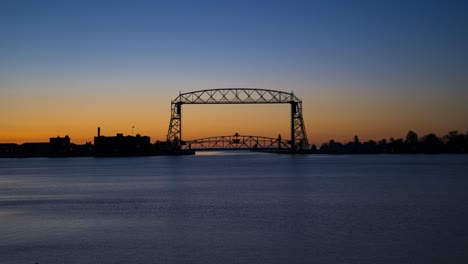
314,148
370,147
331,147
431,143
466,142
454,142
325,147
382,145
411,142
356,140
411,138
396,146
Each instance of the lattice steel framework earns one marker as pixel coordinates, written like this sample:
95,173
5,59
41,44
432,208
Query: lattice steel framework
237,142
240,96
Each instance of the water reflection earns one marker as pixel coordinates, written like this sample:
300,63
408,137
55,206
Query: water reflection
248,208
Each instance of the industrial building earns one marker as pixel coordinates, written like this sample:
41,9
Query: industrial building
120,145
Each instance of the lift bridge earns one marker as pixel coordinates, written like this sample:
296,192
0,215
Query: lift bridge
238,142
298,140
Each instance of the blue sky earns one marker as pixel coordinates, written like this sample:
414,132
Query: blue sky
316,48
300,36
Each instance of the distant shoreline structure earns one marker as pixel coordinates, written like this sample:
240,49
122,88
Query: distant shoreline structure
104,146
453,142
130,146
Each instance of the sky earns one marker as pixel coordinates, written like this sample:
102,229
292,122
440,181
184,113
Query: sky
370,68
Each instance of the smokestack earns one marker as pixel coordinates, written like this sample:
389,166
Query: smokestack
98,131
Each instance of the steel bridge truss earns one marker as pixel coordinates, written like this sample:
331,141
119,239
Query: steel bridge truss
237,142
239,96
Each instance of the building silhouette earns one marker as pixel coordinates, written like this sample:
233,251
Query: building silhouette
120,145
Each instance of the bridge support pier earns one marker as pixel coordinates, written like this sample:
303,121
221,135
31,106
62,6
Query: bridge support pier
179,112
175,125
293,127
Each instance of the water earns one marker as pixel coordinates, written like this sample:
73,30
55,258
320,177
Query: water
235,208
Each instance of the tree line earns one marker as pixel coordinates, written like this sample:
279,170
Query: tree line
453,142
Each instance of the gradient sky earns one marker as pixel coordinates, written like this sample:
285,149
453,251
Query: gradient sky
372,68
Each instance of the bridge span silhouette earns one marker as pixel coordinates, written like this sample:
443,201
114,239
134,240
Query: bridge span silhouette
298,140
238,142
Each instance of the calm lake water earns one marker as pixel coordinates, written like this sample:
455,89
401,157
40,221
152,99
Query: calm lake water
235,208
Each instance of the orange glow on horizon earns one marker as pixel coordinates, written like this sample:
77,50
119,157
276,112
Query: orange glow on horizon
36,118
